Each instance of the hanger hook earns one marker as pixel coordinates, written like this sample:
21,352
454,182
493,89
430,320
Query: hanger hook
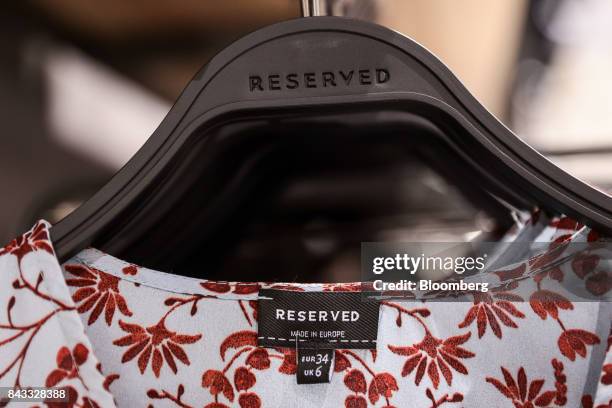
313,8
364,9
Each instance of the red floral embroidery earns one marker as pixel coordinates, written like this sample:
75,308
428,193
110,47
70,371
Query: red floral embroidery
108,380
524,394
67,364
512,274
35,239
606,378
487,309
545,302
72,397
566,223
244,379
341,362
155,343
98,291
176,399
246,288
560,382
355,381
431,355
574,341
217,287
225,287
249,400
238,340
355,401
257,358
344,287
217,382
253,306
587,402
382,385
435,403
130,270
434,356
593,236
16,358
584,263
289,364
584,266
599,283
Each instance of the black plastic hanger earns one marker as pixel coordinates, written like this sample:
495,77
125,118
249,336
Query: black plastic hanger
305,74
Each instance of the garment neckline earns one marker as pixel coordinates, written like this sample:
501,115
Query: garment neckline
526,229
230,290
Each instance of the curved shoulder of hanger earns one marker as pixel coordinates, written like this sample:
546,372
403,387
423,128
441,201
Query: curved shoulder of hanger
319,45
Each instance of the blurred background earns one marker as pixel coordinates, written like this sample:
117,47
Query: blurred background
83,83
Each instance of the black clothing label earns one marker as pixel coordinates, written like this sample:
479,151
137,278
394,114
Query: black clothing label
314,365
344,320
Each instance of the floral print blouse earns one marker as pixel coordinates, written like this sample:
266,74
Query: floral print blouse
116,334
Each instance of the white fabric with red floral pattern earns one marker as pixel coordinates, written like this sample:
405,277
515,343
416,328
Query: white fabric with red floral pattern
115,334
